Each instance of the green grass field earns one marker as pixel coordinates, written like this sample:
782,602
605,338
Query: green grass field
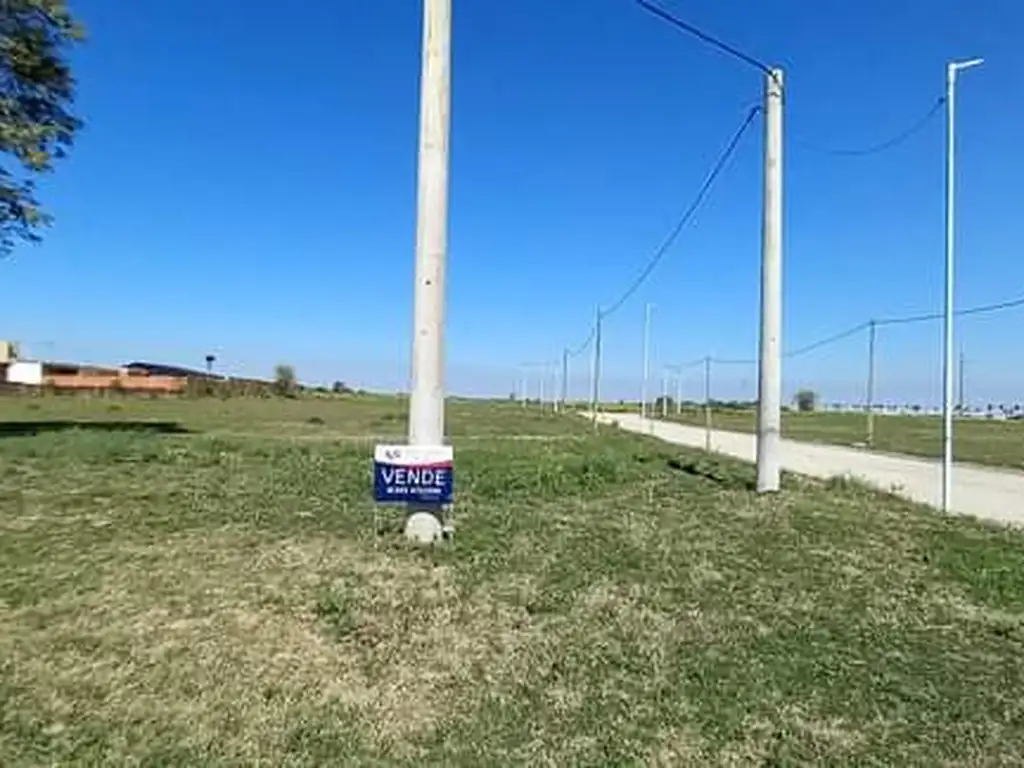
201,583
995,443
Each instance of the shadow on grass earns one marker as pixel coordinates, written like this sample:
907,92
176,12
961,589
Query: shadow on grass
29,428
729,475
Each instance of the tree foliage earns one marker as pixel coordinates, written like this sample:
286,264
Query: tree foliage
37,92
285,381
806,400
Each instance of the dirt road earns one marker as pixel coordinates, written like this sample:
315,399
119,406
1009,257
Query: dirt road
990,494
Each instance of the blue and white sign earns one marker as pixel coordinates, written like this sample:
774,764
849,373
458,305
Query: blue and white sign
419,474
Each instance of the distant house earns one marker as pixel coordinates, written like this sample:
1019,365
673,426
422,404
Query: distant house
77,377
160,369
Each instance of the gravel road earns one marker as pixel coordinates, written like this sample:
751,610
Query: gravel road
990,494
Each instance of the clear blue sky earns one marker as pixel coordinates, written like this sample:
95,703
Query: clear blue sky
246,186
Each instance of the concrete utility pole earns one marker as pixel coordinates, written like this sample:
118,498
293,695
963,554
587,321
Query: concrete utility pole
769,407
565,378
664,393
679,392
871,383
426,403
707,403
960,400
947,359
595,380
647,360
426,399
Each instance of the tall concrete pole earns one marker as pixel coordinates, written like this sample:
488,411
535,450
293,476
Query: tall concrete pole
769,406
947,358
426,403
595,380
664,393
871,383
960,398
679,392
565,378
647,360
707,404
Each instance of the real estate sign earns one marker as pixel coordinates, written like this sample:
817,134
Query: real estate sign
414,474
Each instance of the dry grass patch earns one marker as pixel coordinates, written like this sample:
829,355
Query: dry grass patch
227,647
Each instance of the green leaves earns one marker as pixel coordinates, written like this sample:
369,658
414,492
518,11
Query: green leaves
37,91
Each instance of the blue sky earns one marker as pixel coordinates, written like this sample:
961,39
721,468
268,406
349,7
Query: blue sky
246,186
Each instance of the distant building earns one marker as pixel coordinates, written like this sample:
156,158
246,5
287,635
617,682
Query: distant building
171,371
25,372
75,377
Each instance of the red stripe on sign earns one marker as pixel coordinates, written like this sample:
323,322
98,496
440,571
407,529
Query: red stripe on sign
413,465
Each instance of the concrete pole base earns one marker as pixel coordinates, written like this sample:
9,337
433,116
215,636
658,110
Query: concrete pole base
423,528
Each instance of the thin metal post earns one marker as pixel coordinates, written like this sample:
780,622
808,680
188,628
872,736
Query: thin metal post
769,406
871,383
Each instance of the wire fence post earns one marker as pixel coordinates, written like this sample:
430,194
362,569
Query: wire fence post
707,403
870,399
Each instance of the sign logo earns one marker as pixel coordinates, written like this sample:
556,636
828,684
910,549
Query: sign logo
413,474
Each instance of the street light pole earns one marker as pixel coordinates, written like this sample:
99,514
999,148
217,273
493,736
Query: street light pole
947,361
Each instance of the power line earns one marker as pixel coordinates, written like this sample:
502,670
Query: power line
581,348
894,141
690,29
686,366
731,361
990,307
687,214
905,320
826,341
980,310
